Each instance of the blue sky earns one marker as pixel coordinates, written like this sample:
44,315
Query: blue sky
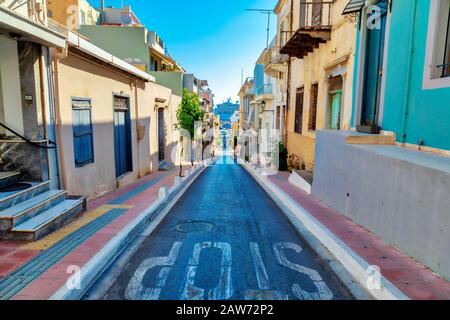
213,39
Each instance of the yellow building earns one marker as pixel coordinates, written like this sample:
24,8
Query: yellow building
321,45
72,13
246,95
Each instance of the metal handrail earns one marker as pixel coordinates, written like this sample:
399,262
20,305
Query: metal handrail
30,142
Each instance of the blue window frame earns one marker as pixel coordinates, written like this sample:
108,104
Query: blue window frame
82,132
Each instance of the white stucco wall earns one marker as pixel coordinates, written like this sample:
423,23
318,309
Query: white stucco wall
11,113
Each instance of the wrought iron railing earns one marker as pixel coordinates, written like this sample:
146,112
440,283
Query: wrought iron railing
315,14
42,144
21,154
273,56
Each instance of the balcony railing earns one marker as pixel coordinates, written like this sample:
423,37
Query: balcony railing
264,89
249,92
315,14
273,56
314,28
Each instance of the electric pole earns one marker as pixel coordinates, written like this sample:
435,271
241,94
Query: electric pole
269,13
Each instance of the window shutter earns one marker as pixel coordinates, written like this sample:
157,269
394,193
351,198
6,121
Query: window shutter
82,132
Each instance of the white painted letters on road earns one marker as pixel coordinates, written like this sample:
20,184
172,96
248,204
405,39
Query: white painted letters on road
322,293
136,290
224,290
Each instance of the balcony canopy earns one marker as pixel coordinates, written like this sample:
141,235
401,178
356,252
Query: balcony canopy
354,6
304,42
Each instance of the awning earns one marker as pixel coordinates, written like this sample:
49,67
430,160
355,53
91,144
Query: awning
354,6
164,57
31,31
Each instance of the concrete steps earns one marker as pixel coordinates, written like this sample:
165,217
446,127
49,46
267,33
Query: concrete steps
371,139
10,199
7,178
48,220
36,211
28,209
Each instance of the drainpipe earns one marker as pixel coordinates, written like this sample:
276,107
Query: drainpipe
56,56
288,89
138,124
43,109
406,97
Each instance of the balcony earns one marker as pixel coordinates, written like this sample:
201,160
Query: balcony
264,92
274,61
314,29
249,91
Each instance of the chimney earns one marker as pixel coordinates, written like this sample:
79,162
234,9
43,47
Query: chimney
102,5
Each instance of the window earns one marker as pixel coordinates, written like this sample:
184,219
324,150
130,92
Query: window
277,118
82,17
335,87
446,64
298,110
82,132
437,59
313,107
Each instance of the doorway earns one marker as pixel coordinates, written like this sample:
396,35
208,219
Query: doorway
161,135
334,112
373,69
122,135
335,115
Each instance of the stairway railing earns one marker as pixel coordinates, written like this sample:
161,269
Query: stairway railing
38,144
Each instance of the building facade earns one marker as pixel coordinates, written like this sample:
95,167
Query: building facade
320,43
31,202
76,121
391,172
275,73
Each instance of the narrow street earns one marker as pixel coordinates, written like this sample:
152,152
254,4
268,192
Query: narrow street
226,239
224,151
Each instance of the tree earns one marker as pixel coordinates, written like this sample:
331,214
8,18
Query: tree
188,113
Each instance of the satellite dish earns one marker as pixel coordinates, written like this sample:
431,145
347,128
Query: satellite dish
126,19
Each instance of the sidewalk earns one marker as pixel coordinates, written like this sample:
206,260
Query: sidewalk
410,277
36,270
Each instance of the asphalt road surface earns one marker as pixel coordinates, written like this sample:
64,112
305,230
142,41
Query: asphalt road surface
226,239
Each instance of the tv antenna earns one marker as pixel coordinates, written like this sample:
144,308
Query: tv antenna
269,13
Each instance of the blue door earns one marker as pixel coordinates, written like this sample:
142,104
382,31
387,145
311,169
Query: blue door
373,72
161,135
122,139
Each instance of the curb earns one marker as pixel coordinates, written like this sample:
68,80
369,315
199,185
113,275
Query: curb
354,264
100,262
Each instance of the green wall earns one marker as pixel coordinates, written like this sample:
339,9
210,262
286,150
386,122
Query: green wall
172,80
127,43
